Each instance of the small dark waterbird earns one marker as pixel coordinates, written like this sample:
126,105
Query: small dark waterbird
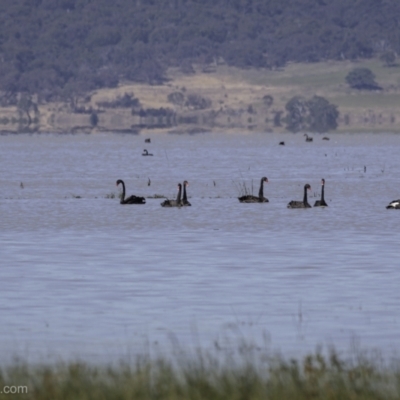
174,203
131,199
301,204
322,202
146,153
185,201
248,198
308,138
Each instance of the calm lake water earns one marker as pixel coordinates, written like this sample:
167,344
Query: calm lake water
82,275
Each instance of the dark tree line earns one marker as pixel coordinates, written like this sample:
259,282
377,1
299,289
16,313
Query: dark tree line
65,48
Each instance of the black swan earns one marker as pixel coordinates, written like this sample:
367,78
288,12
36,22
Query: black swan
281,143
185,201
395,204
146,153
308,138
147,140
301,204
256,199
322,202
325,138
174,203
132,199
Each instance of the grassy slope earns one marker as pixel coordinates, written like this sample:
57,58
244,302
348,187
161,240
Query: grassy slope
232,91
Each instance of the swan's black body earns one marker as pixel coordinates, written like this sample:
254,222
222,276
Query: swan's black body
132,199
185,201
301,204
325,138
256,199
174,203
146,153
308,138
395,205
148,140
281,143
322,202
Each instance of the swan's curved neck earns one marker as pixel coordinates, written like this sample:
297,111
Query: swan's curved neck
305,196
178,197
184,193
261,191
322,192
123,191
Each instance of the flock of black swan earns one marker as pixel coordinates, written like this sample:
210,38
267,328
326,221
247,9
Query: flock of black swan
182,201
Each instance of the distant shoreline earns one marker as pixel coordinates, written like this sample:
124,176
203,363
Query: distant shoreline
225,100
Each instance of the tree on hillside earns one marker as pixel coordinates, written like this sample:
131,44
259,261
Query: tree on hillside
297,111
322,115
362,78
313,115
26,106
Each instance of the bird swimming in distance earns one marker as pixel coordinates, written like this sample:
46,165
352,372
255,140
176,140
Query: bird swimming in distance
248,198
185,201
301,204
148,140
321,203
174,203
308,138
146,153
131,199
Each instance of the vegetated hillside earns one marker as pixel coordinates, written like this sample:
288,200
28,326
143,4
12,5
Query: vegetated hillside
63,48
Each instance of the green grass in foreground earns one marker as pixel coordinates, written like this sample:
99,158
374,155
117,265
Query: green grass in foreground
206,377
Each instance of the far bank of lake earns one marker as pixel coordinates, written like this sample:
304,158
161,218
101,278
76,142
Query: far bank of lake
220,99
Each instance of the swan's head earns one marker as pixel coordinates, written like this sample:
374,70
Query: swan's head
179,186
186,183
264,179
145,151
322,181
307,186
119,181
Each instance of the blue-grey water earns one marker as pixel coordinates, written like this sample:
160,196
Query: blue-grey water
82,275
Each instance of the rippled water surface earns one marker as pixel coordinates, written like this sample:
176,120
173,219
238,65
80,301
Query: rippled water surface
83,275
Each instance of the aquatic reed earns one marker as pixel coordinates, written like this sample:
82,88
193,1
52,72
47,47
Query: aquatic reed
205,376
243,189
